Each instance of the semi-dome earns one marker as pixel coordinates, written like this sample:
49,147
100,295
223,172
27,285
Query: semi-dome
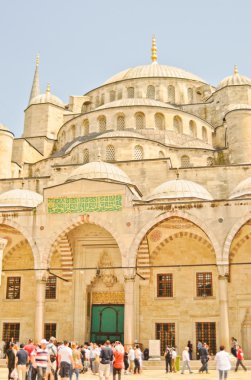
242,189
179,188
20,198
153,71
234,80
135,102
100,170
47,98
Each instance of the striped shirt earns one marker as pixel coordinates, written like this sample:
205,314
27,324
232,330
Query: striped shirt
41,357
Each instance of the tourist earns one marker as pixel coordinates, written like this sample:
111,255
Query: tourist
185,360
131,358
126,362
52,349
223,364
174,356
190,349
240,357
204,357
40,361
10,359
199,346
65,360
96,358
137,353
77,364
168,359
234,344
22,359
30,347
106,357
118,361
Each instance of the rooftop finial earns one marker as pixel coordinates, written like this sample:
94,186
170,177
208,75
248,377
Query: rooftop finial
154,50
35,89
48,88
37,60
236,70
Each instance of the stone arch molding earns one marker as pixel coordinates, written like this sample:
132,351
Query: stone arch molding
25,233
166,215
73,222
231,235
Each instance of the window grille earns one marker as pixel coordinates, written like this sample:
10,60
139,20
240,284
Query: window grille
50,329
51,288
204,134
102,124
86,127
165,285
206,333
204,284
177,124
171,94
138,152
120,123
165,332
185,162
85,156
140,121
110,153
13,288
150,94
130,92
159,121
97,101
192,128
11,330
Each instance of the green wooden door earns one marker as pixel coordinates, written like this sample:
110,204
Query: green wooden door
107,323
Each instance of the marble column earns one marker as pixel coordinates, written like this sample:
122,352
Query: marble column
79,321
223,299
40,302
3,243
129,316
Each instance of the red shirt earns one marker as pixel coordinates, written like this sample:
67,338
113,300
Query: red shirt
118,360
29,348
240,354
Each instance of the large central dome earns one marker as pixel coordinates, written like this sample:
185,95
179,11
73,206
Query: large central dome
153,70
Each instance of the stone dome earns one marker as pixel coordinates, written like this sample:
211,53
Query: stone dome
153,71
47,98
135,102
234,80
100,170
20,198
179,188
242,189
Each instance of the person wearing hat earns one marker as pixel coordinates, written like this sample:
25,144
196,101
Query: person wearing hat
40,361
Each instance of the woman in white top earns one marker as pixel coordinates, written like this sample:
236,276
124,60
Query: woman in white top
223,363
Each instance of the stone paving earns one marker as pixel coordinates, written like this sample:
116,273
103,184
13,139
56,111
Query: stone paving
159,374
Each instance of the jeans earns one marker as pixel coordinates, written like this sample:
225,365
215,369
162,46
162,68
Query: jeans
239,362
204,366
136,366
221,372
184,365
10,370
76,371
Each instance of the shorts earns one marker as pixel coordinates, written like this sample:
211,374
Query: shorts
64,369
104,370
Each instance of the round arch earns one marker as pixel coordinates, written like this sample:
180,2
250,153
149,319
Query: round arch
163,216
231,235
73,222
25,233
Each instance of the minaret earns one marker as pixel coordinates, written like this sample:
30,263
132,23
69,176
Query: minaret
154,51
35,90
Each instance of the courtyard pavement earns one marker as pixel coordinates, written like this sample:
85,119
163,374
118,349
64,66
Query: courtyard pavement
159,374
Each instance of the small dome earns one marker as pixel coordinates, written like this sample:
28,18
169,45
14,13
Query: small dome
135,102
153,71
20,198
234,80
47,98
180,188
242,189
100,170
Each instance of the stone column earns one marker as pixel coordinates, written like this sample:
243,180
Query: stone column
129,316
3,243
223,298
79,321
40,301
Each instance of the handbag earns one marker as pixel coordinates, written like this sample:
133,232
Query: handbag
14,374
78,364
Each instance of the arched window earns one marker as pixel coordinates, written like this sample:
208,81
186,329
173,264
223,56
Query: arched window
192,128
110,153
85,156
204,134
150,93
171,94
63,137
97,101
102,123
130,92
102,101
86,127
140,120
159,121
119,94
138,152
161,154
177,124
112,95
185,161
120,122
73,132
86,107
210,161
190,95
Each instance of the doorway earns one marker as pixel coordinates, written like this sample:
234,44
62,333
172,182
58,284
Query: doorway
107,322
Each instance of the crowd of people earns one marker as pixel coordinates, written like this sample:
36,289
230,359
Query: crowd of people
54,360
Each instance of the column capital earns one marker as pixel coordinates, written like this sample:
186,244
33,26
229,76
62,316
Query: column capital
129,274
41,275
223,270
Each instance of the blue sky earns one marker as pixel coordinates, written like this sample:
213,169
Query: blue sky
84,42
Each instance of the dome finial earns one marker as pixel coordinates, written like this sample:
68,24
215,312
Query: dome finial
48,88
236,71
154,50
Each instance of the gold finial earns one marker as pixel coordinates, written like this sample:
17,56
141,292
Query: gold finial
177,173
37,60
154,50
236,70
48,88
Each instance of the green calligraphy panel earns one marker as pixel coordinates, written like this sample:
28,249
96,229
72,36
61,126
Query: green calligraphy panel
84,204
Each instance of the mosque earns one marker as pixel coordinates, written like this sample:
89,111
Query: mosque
126,213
